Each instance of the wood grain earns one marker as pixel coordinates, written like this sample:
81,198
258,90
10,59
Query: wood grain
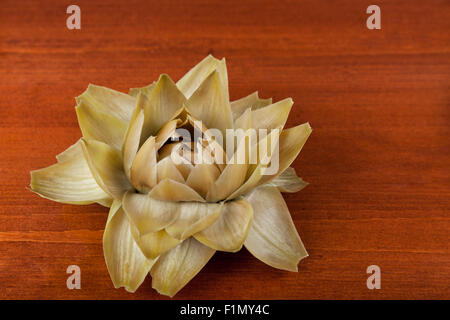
377,161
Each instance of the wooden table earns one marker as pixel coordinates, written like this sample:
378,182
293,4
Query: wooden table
377,161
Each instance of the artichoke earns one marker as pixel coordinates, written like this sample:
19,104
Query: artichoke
169,213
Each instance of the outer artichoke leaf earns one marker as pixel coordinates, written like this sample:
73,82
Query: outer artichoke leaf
96,125
127,265
288,181
71,152
272,237
272,116
251,101
170,190
153,244
230,230
143,170
194,217
106,166
244,121
160,105
148,214
177,267
132,139
68,181
210,104
192,80
108,101
291,143
202,177
134,92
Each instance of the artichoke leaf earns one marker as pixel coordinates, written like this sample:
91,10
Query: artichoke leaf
244,121
108,101
166,169
272,116
103,127
256,171
175,268
192,80
194,217
291,143
132,139
134,92
154,244
162,103
272,237
127,265
167,132
143,172
170,190
231,178
183,165
68,181
202,177
288,181
211,105
73,151
148,214
251,101
229,232
106,166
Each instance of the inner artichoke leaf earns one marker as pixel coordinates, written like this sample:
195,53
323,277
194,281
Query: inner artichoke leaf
143,170
148,214
166,169
192,80
175,268
212,151
132,140
106,166
108,101
170,190
183,165
202,177
153,244
167,132
68,181
96,125
160,105
230,230
194,217
127,265
272,237
288,181
291,143
210,104
272,116
251,101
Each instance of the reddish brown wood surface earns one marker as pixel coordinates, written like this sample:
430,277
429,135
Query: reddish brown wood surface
377,161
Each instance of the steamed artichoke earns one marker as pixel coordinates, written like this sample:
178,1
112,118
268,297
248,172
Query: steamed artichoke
169,213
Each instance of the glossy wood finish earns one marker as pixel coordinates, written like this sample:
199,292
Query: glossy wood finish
377,161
